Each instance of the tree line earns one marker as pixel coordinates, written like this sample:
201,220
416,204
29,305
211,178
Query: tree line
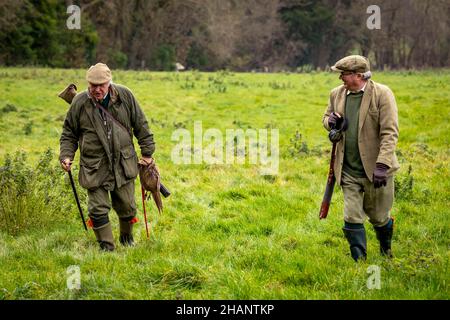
241,35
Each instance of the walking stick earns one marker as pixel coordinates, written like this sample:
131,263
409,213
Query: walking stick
145,212
76,198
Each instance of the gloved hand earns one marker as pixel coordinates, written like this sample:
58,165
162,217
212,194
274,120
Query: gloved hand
334,119
337,132
380,175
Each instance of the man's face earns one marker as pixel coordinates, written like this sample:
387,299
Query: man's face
98,91
352,81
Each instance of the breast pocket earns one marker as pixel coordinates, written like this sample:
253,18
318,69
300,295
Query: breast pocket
128,160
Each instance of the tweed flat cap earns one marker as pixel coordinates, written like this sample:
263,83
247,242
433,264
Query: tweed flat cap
354,63
98,74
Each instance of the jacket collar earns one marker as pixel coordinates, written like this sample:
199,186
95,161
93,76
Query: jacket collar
114,93
365,103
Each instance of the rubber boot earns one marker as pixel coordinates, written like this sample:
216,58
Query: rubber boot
126,233
384,235
105,237
356,237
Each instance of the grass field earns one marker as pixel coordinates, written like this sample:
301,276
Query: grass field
227,232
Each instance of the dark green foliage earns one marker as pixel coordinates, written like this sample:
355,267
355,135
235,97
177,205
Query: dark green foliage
404,184
263,36
197,57
163,58
28,128
41,37
308,22
313,23
119,60
9,108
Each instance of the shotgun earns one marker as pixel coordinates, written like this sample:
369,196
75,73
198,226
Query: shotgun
335,135
331,180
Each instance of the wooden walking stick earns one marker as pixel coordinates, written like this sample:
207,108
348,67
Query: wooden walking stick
145,212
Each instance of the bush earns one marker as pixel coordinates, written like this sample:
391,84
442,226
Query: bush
28,128
118,59
9,108
197,57
297,146
33,198
404,184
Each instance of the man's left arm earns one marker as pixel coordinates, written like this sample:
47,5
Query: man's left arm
388,119
141,129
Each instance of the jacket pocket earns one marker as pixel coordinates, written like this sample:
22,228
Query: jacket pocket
90,175
128,160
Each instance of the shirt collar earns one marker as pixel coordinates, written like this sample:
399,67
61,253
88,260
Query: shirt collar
360,90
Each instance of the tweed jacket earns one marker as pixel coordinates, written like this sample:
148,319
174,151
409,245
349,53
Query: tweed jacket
377,130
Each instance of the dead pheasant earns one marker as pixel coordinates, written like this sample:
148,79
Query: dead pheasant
150,181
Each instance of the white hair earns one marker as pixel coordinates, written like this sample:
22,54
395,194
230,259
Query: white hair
366,75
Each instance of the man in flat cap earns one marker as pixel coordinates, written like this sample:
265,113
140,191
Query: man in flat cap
365,154
101,122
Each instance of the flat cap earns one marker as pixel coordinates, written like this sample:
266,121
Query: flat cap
354,63
98,74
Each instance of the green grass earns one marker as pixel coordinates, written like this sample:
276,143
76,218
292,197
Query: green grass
227,232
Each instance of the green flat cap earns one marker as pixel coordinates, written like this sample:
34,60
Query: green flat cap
98,74
354,63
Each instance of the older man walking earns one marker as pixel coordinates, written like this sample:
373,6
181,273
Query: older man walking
365,155
101,122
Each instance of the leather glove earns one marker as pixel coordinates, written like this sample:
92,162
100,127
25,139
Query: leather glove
337,132
335,135
380,175
334,119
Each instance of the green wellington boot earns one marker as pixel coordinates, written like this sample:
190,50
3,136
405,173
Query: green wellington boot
126,233
384,235
356,237
105,237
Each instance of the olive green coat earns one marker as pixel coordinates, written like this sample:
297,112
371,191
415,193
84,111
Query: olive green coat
107,160
377,129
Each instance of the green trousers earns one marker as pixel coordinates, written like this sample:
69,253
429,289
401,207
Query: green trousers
122,201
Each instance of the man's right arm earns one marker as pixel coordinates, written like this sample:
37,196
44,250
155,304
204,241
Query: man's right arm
68,143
